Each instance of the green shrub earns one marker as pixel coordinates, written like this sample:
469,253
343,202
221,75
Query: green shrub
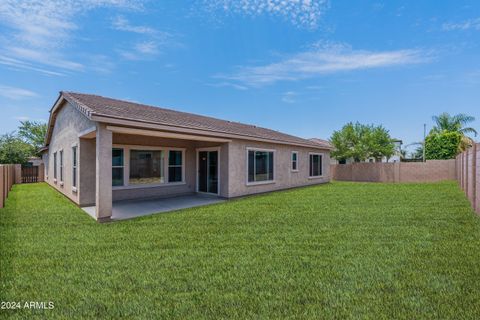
442,145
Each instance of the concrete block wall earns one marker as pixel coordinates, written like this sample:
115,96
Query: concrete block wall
429,171
468,174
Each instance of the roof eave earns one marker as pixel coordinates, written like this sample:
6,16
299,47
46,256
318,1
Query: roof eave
151,125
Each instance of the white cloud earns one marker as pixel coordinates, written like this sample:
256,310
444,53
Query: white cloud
322,60
141,51
289,97
53,58
147,47
122,24
302,13
14,93
39,29
22,65
464,25
224,84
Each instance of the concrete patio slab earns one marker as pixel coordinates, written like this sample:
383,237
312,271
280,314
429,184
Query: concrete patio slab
136,208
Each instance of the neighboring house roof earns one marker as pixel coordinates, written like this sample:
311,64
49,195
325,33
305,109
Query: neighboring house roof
324,143
102,109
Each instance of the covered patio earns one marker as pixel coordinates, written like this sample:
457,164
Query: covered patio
153,171
128,209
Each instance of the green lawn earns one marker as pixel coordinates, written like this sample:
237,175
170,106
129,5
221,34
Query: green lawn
342,250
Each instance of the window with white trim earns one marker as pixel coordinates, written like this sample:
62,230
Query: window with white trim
260,165
316,160
61,165
55,165
117,167
294,161
175,166
74,166
47,164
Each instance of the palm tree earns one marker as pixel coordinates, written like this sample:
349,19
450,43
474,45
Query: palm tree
456,123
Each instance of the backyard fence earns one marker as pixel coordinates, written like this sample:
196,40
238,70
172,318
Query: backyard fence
30,174
9,175
468,174
429,171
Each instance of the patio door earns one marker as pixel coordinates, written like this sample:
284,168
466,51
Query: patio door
207,178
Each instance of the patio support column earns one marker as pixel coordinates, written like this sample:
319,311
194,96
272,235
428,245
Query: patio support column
103,182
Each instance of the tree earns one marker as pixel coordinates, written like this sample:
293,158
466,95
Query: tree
14,150
418,153
379,142
442,145
33,133
360,142
457,123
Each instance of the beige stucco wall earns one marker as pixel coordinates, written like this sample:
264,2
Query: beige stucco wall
87,169
69,123
284,177
190,167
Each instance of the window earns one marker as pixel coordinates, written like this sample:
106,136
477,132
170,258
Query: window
45,161
146,167
117,167
175,166
74,166
55,166
61,165
316,165
294,161
260,166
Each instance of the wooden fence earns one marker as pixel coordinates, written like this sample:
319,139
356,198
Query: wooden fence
429,171
468,174
9,175
30,174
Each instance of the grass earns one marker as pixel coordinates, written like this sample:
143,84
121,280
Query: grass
342,250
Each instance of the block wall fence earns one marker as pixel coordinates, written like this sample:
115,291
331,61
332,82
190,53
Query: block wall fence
429,171
468,174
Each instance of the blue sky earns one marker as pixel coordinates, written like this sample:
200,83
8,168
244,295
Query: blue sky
302,67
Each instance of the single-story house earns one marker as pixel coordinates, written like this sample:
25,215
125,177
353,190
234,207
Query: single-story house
100,150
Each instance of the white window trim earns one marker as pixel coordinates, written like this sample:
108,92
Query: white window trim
318,154
218,168
62,165
291,161
256,183
126,165
55,163
47,164
75,167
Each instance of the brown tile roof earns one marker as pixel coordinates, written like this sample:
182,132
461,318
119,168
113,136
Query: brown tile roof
323,143
93,105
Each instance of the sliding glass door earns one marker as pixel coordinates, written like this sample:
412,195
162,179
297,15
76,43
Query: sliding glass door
208,171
